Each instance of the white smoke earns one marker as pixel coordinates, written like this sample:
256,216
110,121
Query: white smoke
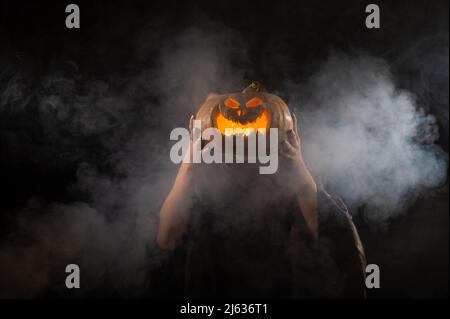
369,140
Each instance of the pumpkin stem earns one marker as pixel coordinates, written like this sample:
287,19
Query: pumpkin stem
255,86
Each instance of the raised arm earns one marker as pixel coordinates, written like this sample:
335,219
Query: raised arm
303,184
174,213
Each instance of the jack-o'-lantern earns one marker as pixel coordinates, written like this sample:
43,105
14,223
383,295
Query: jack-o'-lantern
253,108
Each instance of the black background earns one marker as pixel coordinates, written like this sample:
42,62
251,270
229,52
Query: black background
35,41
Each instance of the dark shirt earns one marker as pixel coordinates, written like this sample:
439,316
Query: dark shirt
247,238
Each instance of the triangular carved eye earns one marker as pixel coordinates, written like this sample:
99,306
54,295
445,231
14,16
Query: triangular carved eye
254,102
231,103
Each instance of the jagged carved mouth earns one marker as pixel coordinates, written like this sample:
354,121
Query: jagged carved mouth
262,121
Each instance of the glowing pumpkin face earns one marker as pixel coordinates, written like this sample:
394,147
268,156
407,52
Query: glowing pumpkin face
244,111
250,109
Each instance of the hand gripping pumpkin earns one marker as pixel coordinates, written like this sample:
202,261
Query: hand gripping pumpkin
253,108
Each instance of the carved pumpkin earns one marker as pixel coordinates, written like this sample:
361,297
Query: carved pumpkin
253,108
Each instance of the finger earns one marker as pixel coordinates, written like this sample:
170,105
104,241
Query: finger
292,138
297,135
294,120
287,147
191,124
286,155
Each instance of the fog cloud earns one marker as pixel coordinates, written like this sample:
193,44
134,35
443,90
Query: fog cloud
367,139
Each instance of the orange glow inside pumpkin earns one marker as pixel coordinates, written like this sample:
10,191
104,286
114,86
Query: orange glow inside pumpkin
256,101
231,103
261,122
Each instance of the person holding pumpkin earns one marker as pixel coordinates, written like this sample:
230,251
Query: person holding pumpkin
251,235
